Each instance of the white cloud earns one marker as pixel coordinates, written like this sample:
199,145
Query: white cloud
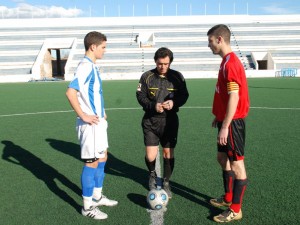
277,9
24,10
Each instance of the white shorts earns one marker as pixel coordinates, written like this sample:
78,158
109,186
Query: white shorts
93,139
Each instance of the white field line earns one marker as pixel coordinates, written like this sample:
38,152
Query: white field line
157,216
157,165
35,113
273,108
138,108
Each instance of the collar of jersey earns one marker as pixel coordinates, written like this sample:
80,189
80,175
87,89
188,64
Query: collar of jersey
88,59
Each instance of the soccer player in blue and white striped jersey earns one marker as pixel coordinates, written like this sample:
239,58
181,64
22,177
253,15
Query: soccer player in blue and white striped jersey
85,95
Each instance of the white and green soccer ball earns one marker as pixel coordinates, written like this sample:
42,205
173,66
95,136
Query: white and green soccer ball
157,199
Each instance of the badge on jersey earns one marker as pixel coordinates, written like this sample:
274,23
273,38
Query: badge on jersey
139,87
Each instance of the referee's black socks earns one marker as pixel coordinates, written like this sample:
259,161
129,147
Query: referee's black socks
150,165
168,168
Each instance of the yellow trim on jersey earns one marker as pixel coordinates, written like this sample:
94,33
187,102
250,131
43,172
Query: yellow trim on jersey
147,79
232,87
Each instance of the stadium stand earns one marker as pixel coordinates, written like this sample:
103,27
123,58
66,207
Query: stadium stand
44,49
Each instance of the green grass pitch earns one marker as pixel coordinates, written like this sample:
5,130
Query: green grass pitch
40,165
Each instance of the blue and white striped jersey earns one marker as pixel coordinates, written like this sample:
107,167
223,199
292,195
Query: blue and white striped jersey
88,83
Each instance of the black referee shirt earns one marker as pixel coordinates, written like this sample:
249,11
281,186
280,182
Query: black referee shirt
154,88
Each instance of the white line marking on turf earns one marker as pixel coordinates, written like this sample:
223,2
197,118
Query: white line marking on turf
252,107
157,216
35,113
157,164
273,108
108,109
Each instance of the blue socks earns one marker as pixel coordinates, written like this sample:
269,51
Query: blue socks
88,181
99,175
92,178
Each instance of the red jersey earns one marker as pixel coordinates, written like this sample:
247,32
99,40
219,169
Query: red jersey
231,78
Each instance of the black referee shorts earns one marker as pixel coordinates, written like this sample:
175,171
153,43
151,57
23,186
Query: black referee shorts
163,130
235,141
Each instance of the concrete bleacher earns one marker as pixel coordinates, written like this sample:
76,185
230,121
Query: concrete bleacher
23,41
280,39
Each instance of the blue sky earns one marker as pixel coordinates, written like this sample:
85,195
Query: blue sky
109,8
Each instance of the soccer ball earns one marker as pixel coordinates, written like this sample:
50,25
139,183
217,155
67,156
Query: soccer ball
157,199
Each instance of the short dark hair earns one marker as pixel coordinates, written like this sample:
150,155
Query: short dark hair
93,38
163,53
220,30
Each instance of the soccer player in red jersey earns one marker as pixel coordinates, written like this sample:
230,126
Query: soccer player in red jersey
230,107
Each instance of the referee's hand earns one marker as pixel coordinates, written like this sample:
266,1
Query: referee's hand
168,105
159,107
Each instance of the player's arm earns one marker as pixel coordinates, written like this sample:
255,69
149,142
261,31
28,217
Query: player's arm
72,97
233,91
142,96
183,93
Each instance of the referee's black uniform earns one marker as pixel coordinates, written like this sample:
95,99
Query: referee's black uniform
153,89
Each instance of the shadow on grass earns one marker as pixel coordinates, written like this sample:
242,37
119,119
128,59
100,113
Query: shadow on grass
19,156
117,167
114,166
138,200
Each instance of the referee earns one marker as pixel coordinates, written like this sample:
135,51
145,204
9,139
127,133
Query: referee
161,91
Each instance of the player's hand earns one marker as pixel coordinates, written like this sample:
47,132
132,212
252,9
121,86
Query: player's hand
168,105
222,136
90,119
159,107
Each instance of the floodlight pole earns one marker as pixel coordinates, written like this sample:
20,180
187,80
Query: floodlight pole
234,8
147,9
132,9
247,8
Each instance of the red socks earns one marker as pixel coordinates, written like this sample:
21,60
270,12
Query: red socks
228,180
234,190
238,194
